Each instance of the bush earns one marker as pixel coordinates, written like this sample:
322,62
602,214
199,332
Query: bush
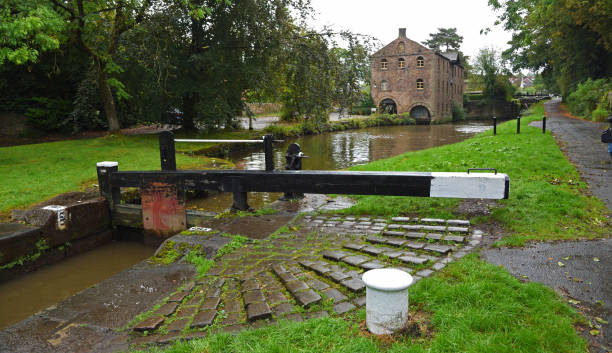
48,114
589,97
458,112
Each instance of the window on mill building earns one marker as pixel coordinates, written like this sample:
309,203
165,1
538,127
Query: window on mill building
401,63
384,64
420,84
420,61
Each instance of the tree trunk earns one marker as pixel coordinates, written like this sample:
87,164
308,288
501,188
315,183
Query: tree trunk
189,112
107,99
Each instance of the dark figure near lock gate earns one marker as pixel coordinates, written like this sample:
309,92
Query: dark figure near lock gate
293,159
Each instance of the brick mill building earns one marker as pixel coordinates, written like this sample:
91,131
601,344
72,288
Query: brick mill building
408,77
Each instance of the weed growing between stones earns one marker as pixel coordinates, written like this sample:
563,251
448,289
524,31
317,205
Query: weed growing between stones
41,248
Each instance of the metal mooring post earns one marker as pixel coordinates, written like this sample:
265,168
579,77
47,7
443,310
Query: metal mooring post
293,159
167,153
268,152
544,124
518,124
494,126
112,194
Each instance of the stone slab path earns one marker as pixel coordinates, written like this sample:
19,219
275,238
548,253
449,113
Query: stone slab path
311,268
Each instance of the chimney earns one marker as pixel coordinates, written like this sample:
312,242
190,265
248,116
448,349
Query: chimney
402,32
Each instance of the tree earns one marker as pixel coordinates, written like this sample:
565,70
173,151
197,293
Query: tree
567,41
489,66
447,37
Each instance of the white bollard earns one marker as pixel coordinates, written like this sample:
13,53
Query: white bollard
386,299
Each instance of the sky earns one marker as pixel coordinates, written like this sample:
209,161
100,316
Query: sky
382,19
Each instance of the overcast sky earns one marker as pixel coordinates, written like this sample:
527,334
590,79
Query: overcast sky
382,18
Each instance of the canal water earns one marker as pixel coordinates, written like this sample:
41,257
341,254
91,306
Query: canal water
340,150
38,290
49,285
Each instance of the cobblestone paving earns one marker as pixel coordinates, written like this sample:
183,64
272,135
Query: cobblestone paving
313,268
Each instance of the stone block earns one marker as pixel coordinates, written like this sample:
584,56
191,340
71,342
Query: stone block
455,238
458,229
232,305
457,222
400,219
178,325
425,273
317,284
354,284
433,236
253,297
150,324
167,309
337,276
343,307
413,260
305,298
257,311
354,246
276,298
393,254
438,266
414,245
361,301
296,286
335,255
372,250
376,240
355,260
178,297
371,265
414,235
287,277
210,303
442,249
396,241
334,294
186,311
17,240
250,284
204,318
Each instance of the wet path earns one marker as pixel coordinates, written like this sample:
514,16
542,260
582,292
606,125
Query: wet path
580,140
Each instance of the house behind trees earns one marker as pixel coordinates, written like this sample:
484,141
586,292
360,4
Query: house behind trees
408,77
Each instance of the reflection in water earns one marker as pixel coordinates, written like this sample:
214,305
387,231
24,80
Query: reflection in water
38,290
340,150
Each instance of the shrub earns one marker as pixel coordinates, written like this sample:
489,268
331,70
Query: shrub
458,112
590,96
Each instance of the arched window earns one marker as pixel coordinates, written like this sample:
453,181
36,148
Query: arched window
384,85
401,63
420,84
401,47
420,61
384,64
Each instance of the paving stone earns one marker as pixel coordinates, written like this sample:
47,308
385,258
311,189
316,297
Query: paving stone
317,221
354,246
232,295
393,254
405,269
335,255
371,265
320,269
438,266
337,276
414,245
459,254
446,260
276,297
287,277
232,285
354,284
380,224
429,257
433,236
365,223
361,301
376,240
442,249
334,294
474,242
232,305
213,292
380,220
414,235
425,273
294,317
424,227
178,325
253,296
214,271
336,268
195,300
361,226
375,229
144,340
233,329
282,309
477,233
305,298
250,284
432,220
394,226
400,219
353,273
467,248
317,284
186,311
458,229
355,260
335,218
195,335
204,318
410,253
150,324
278,269
455,238
396,241
415,279
167,309
316,314
169,337
296,286
178,297
413,260
343,307
458,222
306,263
256,311
231,319
210,303
232,271
372,250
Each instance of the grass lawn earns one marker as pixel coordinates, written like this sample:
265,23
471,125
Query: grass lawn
548,200
471,306
32,173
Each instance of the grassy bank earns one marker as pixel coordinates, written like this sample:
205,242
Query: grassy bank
471,306
548,200
33,173
307,128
